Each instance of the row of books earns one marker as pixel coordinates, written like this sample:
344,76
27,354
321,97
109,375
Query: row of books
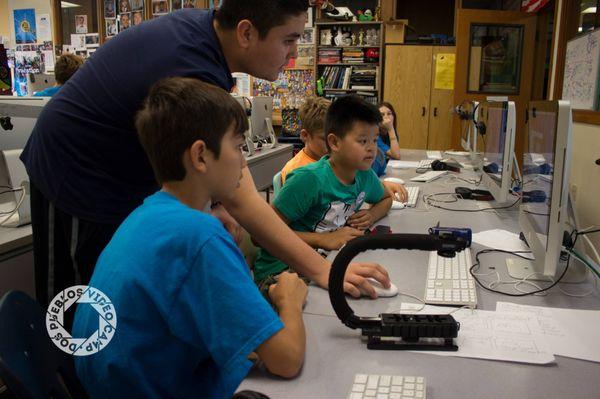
350,77
329,56
370,97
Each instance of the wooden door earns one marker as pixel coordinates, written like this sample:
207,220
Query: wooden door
407,87
464,56
440,116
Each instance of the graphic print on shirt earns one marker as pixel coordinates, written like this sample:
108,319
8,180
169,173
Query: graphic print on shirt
338,213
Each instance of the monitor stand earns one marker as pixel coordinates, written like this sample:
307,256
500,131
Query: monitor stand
272,136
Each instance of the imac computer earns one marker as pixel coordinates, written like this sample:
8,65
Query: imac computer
499,119
39,81
18,116
261,120
544,211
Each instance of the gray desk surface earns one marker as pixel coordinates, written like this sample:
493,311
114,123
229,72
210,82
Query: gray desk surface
335,353
266,153
12,238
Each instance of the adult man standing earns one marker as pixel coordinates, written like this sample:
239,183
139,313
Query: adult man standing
88,170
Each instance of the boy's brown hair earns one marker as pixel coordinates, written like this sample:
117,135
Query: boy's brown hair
312,113
66,66
179,111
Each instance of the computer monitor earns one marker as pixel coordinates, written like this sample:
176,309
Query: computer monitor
261,118
18,116
468,137
499,119
39,81
545,209
14,200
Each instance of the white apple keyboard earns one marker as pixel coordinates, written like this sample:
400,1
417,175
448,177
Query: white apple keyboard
429,176
457,153
396,180
387,386
434,155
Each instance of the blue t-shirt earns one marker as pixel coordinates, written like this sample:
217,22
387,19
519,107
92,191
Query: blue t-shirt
381,159
48,91
84,154
188,312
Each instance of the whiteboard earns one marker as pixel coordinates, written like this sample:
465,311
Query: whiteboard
580,85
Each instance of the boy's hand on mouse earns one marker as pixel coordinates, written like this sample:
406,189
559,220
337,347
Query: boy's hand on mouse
290,290
337,239
356,283
397,191
361,220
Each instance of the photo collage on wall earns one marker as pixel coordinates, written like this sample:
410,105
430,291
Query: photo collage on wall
120,15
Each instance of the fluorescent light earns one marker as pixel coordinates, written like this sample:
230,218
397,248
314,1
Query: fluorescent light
589,10
66,4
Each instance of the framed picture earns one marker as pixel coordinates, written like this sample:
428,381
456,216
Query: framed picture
124,21
137,5
124,6
308,37
92,40
137,17
111,27
81,24
214,4
109,9
310,21
175,5
189,3
160,7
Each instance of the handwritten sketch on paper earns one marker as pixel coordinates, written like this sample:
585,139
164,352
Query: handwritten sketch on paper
580,85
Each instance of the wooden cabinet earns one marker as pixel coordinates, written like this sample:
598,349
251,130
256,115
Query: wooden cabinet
423,112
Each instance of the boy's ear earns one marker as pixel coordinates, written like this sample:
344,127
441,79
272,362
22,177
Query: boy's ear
333,141
199,154
304,135
245,33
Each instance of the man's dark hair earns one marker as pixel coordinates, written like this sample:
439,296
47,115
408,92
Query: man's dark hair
346,110
179,111
264,14
66,66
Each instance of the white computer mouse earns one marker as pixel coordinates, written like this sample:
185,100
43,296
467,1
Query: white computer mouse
383,292
397,205
394,180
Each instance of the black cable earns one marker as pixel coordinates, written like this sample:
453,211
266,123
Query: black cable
429,202
577,234
516,253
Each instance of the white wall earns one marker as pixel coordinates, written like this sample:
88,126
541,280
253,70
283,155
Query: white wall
585,177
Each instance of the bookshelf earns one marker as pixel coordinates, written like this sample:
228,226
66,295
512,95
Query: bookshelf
348,58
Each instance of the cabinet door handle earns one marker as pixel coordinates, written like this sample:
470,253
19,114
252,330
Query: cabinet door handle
422,111
435,111
598,161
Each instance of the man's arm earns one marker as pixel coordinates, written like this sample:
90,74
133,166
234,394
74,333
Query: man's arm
283,353
259,219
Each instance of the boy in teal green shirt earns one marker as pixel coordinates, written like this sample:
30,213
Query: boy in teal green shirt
322,201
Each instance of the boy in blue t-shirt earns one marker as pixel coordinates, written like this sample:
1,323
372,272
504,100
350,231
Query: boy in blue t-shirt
322,201
188,311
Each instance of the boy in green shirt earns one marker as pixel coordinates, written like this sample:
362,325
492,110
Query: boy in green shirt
322,201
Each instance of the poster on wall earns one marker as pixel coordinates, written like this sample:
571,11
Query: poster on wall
25,28
81,24
43,28
5,79
189,3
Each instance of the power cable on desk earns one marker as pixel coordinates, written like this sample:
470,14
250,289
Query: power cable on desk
523,281
430,202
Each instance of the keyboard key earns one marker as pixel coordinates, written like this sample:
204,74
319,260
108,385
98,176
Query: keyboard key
355,395
361,378
358,388
397,380
383,390
372,382
385,381
370,393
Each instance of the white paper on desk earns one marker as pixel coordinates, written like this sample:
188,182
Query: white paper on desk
501,239
399,164
496,336
568,332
